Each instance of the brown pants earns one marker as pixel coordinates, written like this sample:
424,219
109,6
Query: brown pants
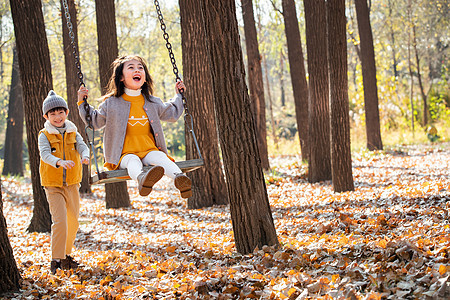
64,204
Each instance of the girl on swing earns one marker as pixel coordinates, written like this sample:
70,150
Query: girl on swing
131,115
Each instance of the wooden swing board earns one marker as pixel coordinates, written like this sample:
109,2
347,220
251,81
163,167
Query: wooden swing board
122,174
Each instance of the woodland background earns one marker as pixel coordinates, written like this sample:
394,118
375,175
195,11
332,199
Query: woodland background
385,236
139,32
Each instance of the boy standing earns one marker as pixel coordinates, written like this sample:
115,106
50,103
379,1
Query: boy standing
60,148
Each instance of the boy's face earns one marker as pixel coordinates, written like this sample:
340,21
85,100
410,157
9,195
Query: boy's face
57,118
133,75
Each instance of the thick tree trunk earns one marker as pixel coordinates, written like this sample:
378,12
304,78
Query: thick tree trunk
298,74
9,274
255,80
116,194
36,78
72,81
209,186
341,160
108,49
13,160
369,76
319,107
249,205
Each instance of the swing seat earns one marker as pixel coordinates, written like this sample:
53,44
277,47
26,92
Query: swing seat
122,174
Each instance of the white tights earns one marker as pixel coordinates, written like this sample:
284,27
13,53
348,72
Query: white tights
134,164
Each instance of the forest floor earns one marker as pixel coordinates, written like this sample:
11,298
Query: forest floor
388,239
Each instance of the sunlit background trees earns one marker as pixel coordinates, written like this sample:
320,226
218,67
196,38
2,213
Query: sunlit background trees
411,52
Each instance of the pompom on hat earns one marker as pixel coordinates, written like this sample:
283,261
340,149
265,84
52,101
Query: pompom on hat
53,101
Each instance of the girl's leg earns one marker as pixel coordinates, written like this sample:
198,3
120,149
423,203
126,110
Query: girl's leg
181,181
159,158
133,164
145,180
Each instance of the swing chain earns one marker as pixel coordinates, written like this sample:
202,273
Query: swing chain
72,37
86,106
189,123
77,60
171,55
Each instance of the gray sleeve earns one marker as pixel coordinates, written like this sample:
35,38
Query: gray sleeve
171,110
98,116
82,148
45,151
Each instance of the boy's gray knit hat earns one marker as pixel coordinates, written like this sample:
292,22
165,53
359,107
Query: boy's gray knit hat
53,101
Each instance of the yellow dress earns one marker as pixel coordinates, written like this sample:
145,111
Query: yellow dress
139,139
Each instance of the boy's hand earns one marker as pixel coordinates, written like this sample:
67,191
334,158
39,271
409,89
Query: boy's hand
66,164
82,92
85,161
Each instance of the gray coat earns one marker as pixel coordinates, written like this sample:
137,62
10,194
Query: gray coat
113,113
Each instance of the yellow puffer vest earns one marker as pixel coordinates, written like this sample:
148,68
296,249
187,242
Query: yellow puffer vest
64,149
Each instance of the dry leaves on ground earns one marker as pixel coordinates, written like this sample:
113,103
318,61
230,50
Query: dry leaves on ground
388,239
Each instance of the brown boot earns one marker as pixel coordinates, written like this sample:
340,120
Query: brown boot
69,263
183,183
54,265
147,179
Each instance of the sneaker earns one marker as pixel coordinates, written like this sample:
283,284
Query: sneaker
54,265
147,179
69,263
183,183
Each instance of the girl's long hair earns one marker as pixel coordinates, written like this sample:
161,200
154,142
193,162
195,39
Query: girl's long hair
116,87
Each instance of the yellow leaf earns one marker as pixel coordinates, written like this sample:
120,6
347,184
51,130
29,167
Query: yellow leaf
183,288
334,278
382,243
291,272
442,269
171,249
291,291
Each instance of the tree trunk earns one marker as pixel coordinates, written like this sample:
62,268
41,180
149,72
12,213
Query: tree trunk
419,77
249,204
282,96
208,182
255,80
319,110
9,274
13,160
267,84
269,94
341,160
72,82
369,76
298,74
36,78
116,194
411,74
392,36
108,49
